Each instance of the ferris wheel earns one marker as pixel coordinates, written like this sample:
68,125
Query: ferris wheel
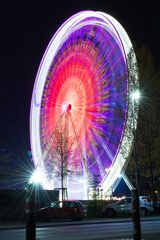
81,102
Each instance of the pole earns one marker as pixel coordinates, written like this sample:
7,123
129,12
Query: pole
30,213
135,192
136,215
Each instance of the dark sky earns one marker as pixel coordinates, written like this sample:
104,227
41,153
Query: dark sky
25,31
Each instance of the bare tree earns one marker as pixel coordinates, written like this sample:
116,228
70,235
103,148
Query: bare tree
59,155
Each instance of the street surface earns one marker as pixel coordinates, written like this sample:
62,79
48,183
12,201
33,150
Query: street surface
88,231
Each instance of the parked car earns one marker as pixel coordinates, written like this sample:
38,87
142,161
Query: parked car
124,206
67,209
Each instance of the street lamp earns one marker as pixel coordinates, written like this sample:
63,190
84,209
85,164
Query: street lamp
36,176
136,95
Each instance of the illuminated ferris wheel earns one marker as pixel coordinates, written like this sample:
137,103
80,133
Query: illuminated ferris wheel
81,108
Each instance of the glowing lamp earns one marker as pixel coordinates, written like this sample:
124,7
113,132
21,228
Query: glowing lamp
136,95
36,176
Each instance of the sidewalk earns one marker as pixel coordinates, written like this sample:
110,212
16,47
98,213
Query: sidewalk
18,225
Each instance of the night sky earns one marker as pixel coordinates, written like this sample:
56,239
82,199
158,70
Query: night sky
25,31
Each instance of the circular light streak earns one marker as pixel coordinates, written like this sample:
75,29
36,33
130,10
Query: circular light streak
82,87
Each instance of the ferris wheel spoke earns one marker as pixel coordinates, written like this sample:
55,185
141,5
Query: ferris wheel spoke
97,157
79,146
101,141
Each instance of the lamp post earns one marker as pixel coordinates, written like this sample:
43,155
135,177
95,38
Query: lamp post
30,212
135,192
31,204
135,98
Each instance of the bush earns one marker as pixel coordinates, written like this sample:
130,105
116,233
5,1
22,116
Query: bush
94,207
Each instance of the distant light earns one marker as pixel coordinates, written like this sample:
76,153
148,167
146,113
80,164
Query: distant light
136,95
36,176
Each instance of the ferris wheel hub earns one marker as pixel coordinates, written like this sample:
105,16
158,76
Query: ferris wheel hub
66,107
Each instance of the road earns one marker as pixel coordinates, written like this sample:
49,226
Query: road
88,231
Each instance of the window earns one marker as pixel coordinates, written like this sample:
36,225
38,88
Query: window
72,204
54,205
128,200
